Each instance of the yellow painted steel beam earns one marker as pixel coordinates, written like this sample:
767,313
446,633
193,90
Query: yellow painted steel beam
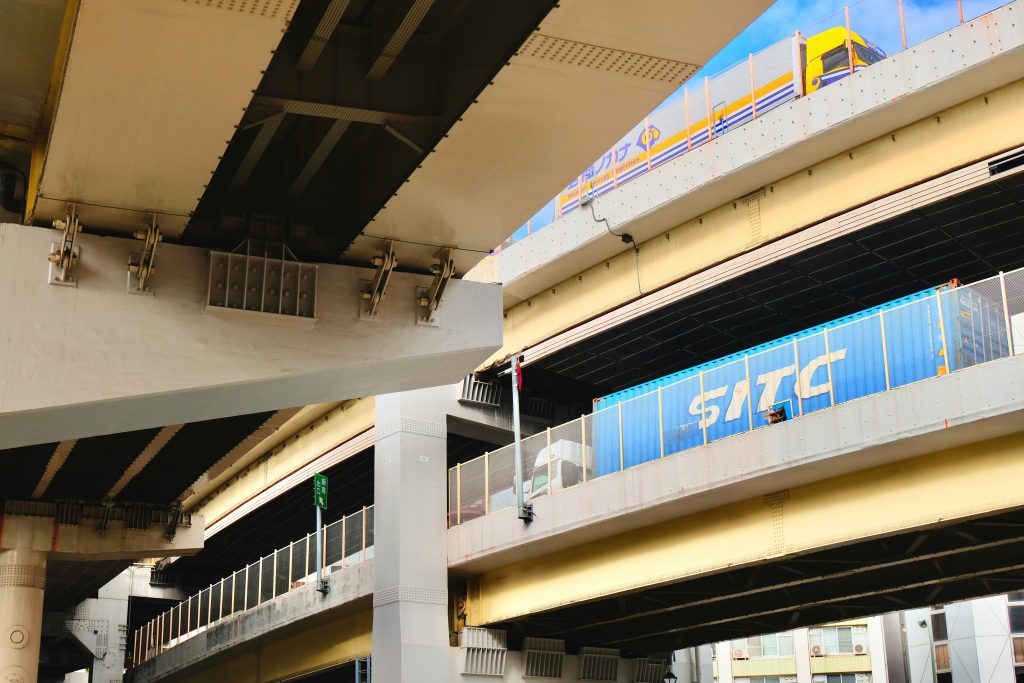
15,137
320,646
872,503
927,148
336,427
42,136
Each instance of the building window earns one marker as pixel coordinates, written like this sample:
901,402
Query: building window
944,677
1016,618
1017,629
841,640
771,645
939,626
841,678
942,657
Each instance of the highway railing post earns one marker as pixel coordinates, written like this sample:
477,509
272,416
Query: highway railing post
885,351
703,413
849,37
1006,313
549,458
753,89
686,115
622,441
750,391
583,445
661,426
487,483
291,562
828,365
942,330
707,99
273,575
903,25
798,408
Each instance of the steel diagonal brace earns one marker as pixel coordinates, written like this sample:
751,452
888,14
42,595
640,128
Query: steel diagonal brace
143,264
386,264
443,271
64,255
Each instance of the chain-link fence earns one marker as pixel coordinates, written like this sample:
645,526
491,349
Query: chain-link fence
924,335
345,542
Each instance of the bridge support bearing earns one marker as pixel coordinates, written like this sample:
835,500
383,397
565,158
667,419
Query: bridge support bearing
22,583
410,620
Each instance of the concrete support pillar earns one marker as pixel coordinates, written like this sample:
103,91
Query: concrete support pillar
410,621
724,649
22,582
802,652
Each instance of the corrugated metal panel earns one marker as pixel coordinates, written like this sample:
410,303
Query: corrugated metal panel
916,337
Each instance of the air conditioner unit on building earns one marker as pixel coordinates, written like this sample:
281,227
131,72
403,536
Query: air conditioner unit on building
818,651
740,654
860,649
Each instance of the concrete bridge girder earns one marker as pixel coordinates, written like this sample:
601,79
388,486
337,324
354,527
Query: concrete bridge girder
95,359
861,139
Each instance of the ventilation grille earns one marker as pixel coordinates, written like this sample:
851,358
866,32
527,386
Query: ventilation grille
599,664
543,657
483,651
633,64
273,9
649,670
480,392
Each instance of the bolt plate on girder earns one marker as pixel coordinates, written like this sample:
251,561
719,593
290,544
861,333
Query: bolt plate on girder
53,275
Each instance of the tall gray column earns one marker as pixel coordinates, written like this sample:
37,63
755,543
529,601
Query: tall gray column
410,600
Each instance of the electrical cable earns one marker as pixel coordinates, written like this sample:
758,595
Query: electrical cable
624,236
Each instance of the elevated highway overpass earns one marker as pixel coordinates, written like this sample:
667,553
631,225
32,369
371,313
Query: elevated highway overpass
347,145
783,526
944,206
854,195
586,334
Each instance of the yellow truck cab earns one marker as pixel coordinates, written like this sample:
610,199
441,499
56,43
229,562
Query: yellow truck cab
828,57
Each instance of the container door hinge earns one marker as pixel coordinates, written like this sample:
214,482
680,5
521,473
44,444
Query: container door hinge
430,299
64,254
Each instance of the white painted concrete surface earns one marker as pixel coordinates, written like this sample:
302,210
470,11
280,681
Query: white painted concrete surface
94,359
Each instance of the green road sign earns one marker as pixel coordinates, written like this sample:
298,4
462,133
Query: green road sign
320,491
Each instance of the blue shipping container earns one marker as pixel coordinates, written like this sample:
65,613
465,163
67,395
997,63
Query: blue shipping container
916,337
